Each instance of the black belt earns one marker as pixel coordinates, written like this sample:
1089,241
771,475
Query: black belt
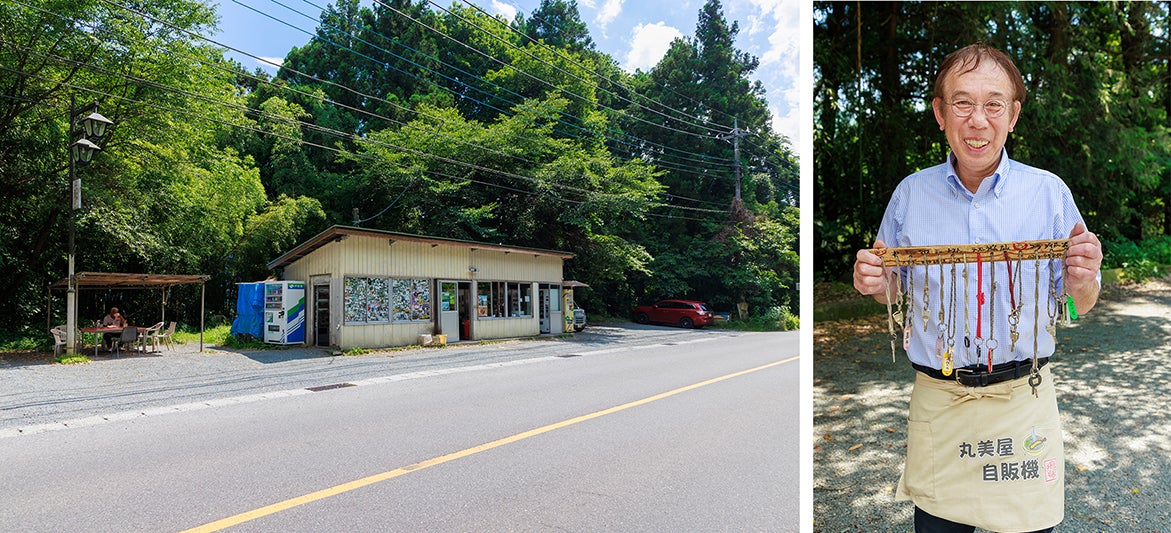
979,376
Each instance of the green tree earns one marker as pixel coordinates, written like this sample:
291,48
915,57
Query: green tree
163,196
274,230
699,90
1096,111
558,24
511,181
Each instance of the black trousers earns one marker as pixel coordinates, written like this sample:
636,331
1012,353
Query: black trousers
928,523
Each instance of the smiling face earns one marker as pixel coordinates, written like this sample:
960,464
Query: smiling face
976,140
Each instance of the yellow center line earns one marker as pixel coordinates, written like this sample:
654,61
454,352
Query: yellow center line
359,483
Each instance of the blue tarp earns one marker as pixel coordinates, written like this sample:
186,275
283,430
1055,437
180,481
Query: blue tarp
250,311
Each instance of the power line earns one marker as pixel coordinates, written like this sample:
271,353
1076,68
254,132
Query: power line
672,91
480,78
657,163
563,71
347,135
308,76
718,127
337,133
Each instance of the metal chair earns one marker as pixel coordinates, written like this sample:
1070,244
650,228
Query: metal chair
129,337
59,339
160,338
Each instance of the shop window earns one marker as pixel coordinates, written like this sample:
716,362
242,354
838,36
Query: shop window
490,299
520,300
412,300
384,300
367,300
499,299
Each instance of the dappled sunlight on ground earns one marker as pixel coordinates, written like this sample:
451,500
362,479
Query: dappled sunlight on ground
1111,374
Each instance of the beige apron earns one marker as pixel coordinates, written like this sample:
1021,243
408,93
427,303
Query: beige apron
990,457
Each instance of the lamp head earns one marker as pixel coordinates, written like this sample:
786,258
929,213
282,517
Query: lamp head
95,125
83,151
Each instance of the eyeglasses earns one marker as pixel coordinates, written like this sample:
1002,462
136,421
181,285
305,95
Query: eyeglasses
992,108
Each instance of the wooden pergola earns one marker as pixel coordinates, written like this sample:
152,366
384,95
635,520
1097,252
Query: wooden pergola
119,280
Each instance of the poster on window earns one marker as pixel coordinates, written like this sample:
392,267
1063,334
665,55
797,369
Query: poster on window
411,300
367,300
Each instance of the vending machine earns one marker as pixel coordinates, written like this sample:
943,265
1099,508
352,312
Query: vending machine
284,312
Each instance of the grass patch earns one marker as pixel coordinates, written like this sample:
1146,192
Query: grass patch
72,360
214,335
774,319
221,336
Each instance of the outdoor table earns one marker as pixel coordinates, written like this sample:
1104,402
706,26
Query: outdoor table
114,329
98,334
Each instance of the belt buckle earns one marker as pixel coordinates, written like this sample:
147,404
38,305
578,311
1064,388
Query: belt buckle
979,378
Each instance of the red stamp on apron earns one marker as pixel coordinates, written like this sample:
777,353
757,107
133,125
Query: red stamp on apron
1051,470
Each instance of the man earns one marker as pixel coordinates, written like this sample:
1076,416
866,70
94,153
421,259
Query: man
112,319
986,451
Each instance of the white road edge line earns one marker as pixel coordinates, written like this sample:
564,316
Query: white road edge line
250,398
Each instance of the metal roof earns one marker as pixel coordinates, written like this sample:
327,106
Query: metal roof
130,281
339,233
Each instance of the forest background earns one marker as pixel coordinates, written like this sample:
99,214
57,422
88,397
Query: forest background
406,116
1096,114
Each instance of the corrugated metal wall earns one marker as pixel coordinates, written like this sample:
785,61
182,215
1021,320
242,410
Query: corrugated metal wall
370,256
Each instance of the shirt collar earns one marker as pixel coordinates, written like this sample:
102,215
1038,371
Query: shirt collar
997,183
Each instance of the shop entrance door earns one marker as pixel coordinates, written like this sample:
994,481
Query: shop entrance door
321,314
449,306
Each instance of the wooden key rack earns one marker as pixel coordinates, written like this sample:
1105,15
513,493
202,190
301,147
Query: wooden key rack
971,253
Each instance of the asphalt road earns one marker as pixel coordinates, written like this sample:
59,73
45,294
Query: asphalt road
629,436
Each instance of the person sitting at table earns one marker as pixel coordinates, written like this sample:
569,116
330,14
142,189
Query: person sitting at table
112,319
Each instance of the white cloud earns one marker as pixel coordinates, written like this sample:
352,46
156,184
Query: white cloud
501,8
610,11
781,19
648,45
779,54
788,124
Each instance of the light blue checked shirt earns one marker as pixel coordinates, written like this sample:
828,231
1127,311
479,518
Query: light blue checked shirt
1017,203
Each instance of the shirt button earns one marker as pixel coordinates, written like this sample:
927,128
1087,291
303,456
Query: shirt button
977,241
976,205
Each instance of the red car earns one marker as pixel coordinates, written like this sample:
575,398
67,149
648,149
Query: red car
684,313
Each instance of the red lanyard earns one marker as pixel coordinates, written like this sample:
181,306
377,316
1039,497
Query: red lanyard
979,293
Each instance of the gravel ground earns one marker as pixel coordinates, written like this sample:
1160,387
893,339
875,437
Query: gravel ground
1113,397
37,396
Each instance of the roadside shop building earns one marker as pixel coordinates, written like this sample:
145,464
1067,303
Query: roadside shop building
372,288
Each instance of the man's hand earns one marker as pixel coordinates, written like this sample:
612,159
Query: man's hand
869,274
1083,261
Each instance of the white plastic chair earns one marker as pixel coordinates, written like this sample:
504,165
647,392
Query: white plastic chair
150,335
59,339
160,338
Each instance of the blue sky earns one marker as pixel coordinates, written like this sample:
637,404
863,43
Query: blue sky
635,33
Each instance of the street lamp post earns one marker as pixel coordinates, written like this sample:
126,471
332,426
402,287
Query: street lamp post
81,151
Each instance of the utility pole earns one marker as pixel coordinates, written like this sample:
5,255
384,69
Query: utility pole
735,136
